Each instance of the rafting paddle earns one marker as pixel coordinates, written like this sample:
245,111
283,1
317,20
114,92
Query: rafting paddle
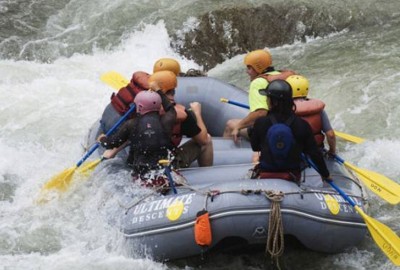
114,79
347,137
62,181
384,187
384,237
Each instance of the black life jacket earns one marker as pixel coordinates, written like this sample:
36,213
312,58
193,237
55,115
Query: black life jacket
280,152
149,143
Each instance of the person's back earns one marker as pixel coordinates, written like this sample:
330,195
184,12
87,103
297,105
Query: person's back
122,100
312,110
279,96
261,73
151,133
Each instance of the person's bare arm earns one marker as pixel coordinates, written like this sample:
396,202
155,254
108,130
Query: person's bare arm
202,138
331,139
248,121
111,153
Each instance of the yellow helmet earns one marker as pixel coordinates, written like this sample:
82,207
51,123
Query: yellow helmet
259,60
167,64
165,79
299,85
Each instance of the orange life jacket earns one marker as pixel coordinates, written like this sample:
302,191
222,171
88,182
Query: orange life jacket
281,76
125,96
310,110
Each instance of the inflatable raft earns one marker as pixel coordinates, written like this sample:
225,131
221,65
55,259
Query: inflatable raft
239,208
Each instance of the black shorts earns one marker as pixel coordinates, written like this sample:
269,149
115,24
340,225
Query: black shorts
186,154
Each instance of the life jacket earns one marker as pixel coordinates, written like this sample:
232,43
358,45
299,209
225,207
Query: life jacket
121,101
181,115
282,75
310,110
280,151
150,142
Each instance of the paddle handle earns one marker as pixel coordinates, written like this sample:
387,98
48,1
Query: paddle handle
171,181
235,103
97,144
339,159
122,119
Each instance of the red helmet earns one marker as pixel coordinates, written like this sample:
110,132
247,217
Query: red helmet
147,101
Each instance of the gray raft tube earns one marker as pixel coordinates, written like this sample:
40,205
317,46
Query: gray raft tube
208,91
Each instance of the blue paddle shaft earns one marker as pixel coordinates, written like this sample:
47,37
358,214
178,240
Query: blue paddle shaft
171,181
97,144
238,104
344,195
339,159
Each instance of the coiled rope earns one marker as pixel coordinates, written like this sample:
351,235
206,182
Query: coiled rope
275,241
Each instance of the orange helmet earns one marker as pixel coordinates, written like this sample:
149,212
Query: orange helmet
259,60
167,64
165,79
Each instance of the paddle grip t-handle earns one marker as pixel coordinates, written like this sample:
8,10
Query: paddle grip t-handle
235,103
97,144
167,171
171,181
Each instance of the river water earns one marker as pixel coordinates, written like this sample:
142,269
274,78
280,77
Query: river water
52,54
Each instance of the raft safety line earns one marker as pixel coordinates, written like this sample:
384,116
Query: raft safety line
243,192
244,212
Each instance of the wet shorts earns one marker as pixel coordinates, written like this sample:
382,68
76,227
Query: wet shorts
186,154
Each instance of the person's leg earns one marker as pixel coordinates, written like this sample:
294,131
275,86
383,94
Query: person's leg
187,153
206,157
255,157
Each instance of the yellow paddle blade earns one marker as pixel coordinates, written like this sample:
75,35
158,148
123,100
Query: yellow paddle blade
384,237
89,167
348,137
114,79
382,186
61,181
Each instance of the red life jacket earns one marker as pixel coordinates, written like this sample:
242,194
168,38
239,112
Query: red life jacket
310,110
281,76
125,96
181,115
